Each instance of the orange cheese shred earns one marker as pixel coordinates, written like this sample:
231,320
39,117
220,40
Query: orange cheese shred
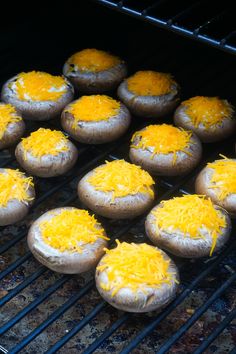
150,83
134,266
8,115
71,230
121,179
13,185
192,215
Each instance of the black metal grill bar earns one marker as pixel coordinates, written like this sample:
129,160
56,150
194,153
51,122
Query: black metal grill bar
198,313
15,264
216,332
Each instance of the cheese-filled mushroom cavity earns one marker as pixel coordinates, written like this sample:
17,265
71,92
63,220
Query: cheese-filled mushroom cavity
137,277
38,95
117,190
67,240
12,126
46,153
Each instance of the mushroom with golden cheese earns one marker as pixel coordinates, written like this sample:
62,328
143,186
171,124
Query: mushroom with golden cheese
190,226
94,71
67,240
117,190
137,277
46,153
210,118
38,95
12,126
16,195
95,119
165,150
217,180
149,94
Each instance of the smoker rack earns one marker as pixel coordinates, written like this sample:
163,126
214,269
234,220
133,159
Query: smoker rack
212,79
210,22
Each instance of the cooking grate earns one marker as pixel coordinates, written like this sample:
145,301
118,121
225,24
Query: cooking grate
208,21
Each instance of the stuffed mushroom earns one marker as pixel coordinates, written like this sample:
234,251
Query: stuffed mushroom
12,126
38,95
165,150
211,118
46,153
67,240
16,196
95,119
94,71
137,277
217,181
149,94
117,190
190,226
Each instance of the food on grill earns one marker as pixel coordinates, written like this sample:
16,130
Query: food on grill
190,226
218,181
165,150
67,240
46,153
211,118
38,95
117,190
95,119
136,277
94,71
16,195
149,94
12,126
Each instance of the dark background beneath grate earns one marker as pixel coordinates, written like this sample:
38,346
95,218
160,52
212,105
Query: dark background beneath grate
32,297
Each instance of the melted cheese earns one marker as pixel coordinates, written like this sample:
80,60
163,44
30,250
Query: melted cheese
134,266
8,115
71,230
223,179
121,179
92,60
208,111
150,83
13,185
45,142
38,86
93,108
192,215
162,139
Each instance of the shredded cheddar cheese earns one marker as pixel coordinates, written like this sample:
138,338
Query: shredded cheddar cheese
134,266
150,83
208,111
92,60
38,86
8,115
13,185
162,139
223,179
45,142
71,230
192,215
93,108
121,179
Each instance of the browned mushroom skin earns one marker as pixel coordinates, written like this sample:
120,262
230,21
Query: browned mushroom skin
47,165
64,262
96,82
162,164
150,299
37,110
149,106
202,186
206,135
101,203
97,132
16,210
183,245
12,135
